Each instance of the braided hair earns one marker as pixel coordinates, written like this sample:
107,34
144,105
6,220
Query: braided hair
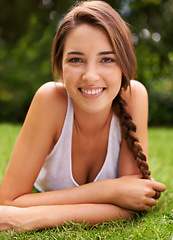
103,16
128,130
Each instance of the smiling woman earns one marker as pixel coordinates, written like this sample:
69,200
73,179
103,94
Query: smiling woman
88,65
79,145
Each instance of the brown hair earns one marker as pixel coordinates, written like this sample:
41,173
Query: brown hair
102,15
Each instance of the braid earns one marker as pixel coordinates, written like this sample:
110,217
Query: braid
128,129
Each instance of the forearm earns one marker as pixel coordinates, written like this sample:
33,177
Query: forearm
127,192
96,192
39,217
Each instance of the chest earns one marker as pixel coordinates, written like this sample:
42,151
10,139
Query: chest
88,155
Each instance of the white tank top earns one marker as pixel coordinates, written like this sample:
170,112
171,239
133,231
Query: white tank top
56,172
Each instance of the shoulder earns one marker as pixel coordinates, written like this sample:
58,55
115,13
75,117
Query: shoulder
52,91
52,95
136,97
49,106
136,91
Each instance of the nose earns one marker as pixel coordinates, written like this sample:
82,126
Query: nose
90,75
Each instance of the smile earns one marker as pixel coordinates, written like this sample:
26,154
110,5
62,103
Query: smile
92,92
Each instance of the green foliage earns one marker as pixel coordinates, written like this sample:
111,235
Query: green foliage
25,68
26,35
161,108
153,31
157,223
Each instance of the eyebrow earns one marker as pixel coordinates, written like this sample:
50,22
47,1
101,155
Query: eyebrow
100,54
75,53
106,53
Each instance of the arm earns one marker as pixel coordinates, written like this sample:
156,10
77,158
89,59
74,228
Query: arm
137,105
39,217
37,136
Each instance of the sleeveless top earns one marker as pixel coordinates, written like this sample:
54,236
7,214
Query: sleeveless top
56,172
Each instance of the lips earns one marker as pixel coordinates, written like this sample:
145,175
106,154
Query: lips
91,91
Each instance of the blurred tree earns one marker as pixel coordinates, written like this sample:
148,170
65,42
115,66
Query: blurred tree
152,22
26,32
154,32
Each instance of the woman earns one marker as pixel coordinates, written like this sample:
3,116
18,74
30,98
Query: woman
78,143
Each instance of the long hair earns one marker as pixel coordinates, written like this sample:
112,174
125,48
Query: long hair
103,16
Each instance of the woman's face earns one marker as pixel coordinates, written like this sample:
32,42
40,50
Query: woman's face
90,71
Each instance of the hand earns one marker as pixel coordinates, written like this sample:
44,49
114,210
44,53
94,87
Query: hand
137,194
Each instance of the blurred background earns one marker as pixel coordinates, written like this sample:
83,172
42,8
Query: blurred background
27,29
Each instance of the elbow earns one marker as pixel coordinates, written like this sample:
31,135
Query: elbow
5,200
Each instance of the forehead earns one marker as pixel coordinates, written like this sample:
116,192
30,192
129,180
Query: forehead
87,37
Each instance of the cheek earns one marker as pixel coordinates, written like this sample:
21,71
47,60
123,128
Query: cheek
72,75
115,83
115,78
69,80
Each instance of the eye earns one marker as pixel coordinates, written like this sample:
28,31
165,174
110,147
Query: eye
75,60
107,60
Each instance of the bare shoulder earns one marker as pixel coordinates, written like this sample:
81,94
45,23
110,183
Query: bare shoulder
52,95
49,106
136,91
52,91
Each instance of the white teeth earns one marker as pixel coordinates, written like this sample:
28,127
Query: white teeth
91,92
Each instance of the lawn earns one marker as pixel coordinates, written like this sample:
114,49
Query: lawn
157,223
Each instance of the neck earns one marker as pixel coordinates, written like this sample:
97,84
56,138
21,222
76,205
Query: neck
91,123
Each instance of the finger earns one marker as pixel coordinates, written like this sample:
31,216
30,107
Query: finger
151,202
147,207
157,186
151,193
143,208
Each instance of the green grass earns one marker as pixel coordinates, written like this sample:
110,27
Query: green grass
157,223
8,135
